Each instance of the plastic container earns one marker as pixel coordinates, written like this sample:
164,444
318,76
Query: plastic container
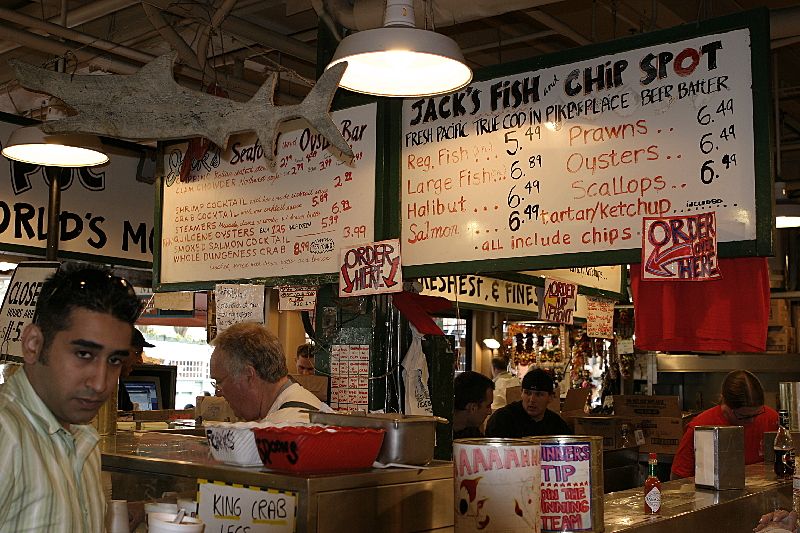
162,523
318,449
233,443
409,439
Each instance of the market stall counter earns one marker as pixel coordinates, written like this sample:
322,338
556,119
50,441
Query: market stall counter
144,465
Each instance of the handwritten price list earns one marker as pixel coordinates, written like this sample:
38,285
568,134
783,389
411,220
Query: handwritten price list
571,158
238,217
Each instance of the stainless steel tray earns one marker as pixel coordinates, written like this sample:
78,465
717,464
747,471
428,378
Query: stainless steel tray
409,439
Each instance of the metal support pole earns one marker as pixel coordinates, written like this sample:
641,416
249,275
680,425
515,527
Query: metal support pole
53,210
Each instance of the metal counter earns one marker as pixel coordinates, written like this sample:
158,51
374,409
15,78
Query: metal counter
686,508
393,500
419,499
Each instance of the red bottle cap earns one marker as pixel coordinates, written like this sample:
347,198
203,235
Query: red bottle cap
653,455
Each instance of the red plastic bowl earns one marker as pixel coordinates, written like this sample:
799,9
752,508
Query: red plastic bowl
318,449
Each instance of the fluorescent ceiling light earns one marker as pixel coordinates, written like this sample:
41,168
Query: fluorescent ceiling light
787,215
30,145
787,222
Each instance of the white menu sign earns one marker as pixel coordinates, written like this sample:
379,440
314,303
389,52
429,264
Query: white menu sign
238,217
571,158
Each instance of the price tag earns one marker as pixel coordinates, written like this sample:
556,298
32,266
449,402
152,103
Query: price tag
237,508
297,298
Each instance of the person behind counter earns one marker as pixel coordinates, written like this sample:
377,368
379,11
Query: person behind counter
741,404
50,477
138,344
304,360
472,403
530,415
248,367
503,379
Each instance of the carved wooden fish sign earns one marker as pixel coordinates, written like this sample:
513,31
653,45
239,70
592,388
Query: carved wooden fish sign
149,105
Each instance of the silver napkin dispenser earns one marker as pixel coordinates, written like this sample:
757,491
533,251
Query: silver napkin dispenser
719,457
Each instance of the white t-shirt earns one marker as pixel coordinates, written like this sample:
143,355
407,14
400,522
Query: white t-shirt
294,393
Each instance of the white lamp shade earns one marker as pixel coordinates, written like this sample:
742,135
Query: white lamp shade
403,62
492,344
30,145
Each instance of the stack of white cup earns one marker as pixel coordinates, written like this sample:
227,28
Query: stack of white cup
164,523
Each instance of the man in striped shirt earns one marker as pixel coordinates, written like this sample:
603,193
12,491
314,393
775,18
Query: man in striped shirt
73,353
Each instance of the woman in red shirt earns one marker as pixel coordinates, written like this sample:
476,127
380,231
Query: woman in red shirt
742,404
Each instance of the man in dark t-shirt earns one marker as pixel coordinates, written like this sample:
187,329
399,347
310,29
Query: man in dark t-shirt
472,403
529,416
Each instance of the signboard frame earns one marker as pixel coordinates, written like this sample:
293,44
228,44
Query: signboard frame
756,21
382,121
40,251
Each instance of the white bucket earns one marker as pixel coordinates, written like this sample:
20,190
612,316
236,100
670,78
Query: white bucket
497,485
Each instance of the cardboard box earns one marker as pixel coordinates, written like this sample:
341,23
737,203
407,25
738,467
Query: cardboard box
574,405
647,406
781,339
780,312
215,409
607,427
316,385
661,434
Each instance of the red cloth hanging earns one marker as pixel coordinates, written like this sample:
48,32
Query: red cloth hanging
415,307
729,314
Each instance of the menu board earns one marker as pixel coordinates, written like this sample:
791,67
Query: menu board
236,216
570,158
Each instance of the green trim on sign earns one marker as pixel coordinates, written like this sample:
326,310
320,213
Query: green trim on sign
76,256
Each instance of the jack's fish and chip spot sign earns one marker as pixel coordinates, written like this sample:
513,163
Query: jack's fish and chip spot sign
570,157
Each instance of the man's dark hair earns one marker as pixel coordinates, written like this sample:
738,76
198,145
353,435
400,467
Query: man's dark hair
305,350
741,388
470,387
500,363
81,286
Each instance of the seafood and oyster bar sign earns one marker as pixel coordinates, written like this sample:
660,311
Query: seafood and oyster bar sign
236,216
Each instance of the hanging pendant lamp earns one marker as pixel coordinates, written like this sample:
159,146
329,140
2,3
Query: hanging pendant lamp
400,60
31,145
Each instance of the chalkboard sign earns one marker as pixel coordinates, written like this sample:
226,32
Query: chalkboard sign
236,217
555,162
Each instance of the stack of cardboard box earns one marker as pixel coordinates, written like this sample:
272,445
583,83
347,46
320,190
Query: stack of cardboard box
659,419
780,332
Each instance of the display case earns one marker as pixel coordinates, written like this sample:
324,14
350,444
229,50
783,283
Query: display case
144,465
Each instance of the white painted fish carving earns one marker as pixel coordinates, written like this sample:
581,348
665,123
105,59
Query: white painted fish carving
149,105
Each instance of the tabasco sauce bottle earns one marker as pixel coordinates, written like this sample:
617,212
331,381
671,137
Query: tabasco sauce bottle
652,487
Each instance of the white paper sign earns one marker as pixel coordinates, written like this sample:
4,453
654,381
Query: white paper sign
567,487
558,302
241,509
297,298
600,320
179,301
372,268
20,303
239,303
